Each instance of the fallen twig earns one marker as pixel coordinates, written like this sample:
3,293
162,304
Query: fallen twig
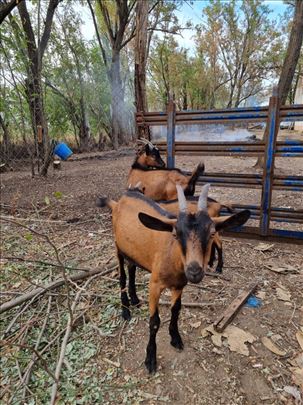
22,346
65,341
55,284
188,304
21,259
27,374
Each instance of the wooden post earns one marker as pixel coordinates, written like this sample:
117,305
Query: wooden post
39,134
269,161
171,129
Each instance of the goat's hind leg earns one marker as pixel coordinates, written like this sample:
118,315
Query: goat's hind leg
212,255
176,339
132,291
124,297
219,268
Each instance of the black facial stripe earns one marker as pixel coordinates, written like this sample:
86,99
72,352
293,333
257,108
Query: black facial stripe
200,224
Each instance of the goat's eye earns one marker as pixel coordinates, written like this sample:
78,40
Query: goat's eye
212,234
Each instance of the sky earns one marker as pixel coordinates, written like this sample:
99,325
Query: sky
193,11
190,10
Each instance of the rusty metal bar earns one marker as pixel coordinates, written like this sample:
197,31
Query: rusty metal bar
171,116
251,114
270,149
269,162
275,235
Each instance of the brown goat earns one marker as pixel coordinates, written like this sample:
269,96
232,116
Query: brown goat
173,249
148,157
157,181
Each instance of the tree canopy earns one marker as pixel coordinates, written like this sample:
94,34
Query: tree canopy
84,89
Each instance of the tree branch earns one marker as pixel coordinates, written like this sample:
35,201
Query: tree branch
98,35
7,8
48,25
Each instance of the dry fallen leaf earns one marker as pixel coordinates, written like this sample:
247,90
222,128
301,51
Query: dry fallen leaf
293,391
235,336
261,294
281,268
272,347
297,376
299,336
236,339
263,247
297,361
283,294
195,325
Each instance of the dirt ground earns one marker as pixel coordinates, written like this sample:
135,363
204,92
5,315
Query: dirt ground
207,371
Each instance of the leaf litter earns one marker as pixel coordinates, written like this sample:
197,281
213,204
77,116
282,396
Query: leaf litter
236,338
267,342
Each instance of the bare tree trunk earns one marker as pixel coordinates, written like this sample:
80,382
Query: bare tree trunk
6,138
84,134
33,83
290,63
117,103
141,50
84,128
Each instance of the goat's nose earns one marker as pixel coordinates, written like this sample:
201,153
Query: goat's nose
194,272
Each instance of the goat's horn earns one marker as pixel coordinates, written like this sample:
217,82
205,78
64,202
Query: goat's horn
139,184
202,203
181,198
146,142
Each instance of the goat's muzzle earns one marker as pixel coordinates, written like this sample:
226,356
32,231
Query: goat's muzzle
194,272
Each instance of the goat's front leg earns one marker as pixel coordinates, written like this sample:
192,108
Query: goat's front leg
176,340
154,324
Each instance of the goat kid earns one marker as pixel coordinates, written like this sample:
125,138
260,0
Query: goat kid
148,157
173,249
157,181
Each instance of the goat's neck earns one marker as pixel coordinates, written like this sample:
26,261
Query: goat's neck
140,162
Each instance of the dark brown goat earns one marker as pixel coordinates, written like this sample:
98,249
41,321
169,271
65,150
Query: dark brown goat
158,182
173,249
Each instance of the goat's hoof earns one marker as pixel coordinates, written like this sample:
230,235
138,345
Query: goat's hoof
177,343
151,364
136,302
126,315
219,270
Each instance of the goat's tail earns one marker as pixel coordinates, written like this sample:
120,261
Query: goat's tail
190,188
105,202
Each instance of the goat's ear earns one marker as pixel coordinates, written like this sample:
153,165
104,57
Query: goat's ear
232,221
155,223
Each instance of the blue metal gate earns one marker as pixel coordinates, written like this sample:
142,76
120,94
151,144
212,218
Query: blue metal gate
271,148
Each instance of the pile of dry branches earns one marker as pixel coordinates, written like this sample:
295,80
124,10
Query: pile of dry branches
43,300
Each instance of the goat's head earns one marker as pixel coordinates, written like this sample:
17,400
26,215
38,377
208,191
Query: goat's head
194,232
149,155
